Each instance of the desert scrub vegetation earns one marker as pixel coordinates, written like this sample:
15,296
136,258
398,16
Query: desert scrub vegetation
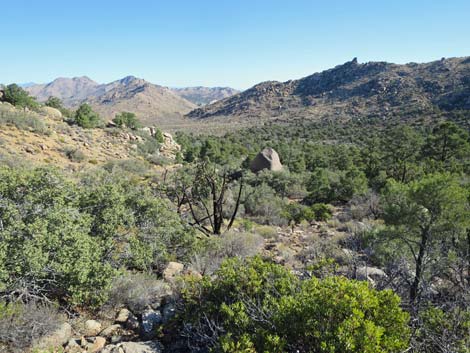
63,240
257,306
23,120
21,325
74,154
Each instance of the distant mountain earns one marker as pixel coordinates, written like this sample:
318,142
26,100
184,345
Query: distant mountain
374,89
204,95
69,90
27,84
152,103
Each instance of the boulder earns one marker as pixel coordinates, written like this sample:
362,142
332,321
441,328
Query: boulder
123,315
56,339
172,270
150,320
52,113
168,312
266,159
92,328
134,347
73,347
97,345
370,274
111,330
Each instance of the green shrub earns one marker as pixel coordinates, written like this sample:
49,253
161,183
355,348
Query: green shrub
126,119
321,211
443,328
329,186
85,117
257,306
296,213
46,249
17,96
264,205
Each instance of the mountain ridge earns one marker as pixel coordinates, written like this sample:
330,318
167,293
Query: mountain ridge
353,89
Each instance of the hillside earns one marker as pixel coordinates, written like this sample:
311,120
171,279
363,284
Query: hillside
42,138
354,90
153,104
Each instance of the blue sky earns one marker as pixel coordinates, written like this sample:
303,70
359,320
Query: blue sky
221,43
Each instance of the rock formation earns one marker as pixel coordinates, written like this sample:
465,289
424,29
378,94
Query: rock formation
266,159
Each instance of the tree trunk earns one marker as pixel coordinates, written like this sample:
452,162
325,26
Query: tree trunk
414,290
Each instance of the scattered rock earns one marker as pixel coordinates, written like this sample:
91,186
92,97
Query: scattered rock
97,345
266,159
92,328
72,347
134,347
30,149
172,270
110,330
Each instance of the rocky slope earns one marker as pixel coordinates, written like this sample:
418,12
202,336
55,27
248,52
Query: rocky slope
45,139
354,90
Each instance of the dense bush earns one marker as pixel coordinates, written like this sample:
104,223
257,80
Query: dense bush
256,306
126,119
321,211
262,203
296,213
328,186
46,249
65,241
17,96
85,117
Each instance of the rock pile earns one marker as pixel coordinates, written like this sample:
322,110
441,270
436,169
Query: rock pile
134,330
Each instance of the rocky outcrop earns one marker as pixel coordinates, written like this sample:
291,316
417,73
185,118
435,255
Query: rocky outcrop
267,159
169,147
353,89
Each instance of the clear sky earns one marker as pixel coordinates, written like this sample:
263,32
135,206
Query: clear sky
221,42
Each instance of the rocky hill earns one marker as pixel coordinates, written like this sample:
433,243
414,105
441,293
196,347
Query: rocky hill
44,138
205,95
354,90
152,103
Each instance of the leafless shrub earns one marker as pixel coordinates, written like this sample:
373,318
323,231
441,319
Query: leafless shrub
22,324
136,292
